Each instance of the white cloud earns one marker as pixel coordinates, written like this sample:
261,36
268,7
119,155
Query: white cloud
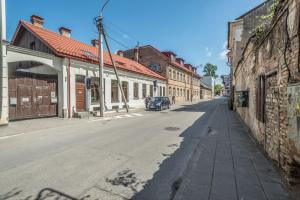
224,45
208,52
223,54
126,36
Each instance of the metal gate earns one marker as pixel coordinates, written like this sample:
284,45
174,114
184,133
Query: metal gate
32,96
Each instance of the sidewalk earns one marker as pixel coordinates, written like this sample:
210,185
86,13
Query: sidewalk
228,165
21,127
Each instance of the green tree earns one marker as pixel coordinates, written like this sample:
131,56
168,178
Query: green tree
218,89
210,70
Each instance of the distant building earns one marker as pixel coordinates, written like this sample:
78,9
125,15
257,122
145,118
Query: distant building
210,82
206,91
183,82
226,80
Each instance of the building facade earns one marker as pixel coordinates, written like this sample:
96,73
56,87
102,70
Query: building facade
183,82
205,91
266,82
51,74
226,80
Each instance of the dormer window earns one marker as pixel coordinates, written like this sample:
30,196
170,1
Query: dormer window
155,67
172,58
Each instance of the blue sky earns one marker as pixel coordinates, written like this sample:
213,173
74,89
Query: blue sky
195,30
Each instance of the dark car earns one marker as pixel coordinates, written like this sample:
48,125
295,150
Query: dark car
159,103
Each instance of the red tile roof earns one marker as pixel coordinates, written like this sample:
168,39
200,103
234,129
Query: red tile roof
68,47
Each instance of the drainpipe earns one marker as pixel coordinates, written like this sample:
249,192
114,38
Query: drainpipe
69,88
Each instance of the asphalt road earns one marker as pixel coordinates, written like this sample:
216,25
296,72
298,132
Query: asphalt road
111,159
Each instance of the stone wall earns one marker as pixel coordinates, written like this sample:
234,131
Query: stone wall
275,55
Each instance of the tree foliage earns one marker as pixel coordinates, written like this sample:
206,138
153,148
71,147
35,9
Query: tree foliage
210,70
218,89
265,20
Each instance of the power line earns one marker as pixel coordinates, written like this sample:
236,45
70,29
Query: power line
117,41
120,30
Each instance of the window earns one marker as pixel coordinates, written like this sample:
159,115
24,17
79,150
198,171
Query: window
95,97
177,75
144,90
136,91
155,67
180,92
160,91
184,92
180,77
151,90
32,46
164,91
260,98
125,90
174,91
114,91
177,91
170,73
170,91
174,75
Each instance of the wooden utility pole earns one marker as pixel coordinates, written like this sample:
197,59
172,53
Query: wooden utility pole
99,22
101,64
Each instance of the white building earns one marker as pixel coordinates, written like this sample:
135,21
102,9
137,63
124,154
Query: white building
48,73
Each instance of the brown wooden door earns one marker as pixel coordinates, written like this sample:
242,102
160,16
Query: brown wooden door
80,94
30,96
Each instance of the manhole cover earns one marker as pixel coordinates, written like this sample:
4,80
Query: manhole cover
172,128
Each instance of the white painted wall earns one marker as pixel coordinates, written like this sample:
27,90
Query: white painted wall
89,70
3,68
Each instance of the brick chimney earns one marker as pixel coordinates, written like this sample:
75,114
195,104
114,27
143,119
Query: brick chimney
120,53
136,54
37,21
96,43
65,32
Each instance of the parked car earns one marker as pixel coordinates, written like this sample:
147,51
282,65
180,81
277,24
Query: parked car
159,103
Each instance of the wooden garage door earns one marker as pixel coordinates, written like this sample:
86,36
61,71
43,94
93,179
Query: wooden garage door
30,96
80,94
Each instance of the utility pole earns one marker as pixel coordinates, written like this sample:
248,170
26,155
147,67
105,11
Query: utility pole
101,65
99,23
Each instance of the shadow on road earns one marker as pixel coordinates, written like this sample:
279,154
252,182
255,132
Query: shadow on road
168,178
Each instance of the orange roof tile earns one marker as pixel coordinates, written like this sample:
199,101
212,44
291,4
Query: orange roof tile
68,47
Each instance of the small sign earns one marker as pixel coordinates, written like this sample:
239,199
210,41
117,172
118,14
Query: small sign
242,98
13,101
25,99
53,94
53,99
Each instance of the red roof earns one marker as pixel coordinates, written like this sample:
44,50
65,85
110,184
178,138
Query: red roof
68,47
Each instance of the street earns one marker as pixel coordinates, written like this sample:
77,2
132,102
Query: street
149,155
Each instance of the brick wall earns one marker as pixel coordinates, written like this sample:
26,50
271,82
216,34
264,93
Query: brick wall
275,55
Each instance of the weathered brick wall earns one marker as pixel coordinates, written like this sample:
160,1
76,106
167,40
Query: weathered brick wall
275,55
